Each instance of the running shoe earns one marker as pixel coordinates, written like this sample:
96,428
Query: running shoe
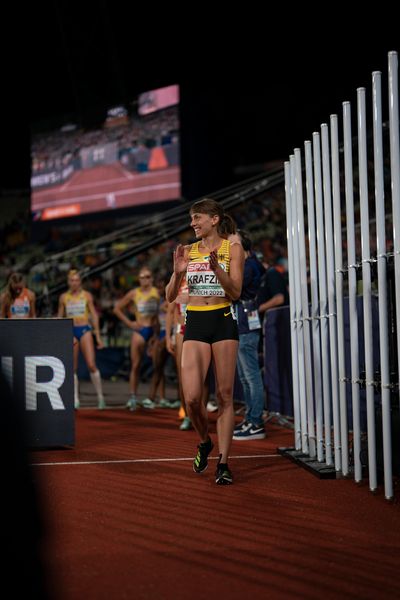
186,424
174,403
200,463
223,475
212,406
147,403
132,403
101,403
77,404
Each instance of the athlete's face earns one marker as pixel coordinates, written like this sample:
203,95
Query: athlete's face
17,288
74,282
145,279
202,224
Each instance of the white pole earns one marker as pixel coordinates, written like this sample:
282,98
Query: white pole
314,300
352,275
305,305
366,281
299,315
323,308
382,287
337,227
395,174
292,298
330,269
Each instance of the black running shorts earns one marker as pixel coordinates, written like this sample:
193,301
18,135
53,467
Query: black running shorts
211,326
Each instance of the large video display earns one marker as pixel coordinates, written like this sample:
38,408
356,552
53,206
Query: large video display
132,159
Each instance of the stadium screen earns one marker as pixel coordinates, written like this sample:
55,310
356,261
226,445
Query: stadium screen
131,160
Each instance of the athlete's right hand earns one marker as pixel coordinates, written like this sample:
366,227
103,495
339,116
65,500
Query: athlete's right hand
180,260
170,347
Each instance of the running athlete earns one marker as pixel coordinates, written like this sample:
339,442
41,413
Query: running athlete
214,274
17,302
77,304
144,300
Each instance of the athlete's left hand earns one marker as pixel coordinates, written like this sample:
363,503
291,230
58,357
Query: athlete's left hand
213,260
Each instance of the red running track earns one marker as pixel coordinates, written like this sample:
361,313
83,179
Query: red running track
156,530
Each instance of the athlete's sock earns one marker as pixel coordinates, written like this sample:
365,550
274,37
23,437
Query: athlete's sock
96,380
76,390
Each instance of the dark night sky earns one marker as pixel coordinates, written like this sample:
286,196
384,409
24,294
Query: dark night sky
251,90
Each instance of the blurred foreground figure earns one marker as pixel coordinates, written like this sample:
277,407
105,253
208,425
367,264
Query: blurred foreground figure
22,530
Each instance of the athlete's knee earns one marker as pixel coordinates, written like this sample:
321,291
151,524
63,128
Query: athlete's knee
193,402
225,395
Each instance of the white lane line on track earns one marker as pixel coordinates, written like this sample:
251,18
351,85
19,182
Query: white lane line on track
143,460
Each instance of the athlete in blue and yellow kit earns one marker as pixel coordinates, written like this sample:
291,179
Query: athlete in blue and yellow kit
77,304
144,303
214,275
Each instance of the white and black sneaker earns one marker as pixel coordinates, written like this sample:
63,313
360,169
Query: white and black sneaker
250,432
240,426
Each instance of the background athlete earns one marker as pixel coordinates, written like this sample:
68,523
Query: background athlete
77,304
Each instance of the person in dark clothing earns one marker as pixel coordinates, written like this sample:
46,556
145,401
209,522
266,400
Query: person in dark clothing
273,290
23,530
252,427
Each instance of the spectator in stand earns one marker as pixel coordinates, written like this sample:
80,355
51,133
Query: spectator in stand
273,290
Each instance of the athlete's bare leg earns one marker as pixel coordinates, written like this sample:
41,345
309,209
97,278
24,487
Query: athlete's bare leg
224,359
196,358
137,349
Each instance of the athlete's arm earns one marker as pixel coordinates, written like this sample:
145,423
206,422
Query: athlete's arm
232,282
276,300
181,259
32,304
120,305
61,307
95,319
169,323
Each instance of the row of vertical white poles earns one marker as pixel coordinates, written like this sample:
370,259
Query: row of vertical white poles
395,174
293,325
366,285
382,287
326,278
352,282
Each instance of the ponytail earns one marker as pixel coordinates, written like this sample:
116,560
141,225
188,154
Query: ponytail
226,225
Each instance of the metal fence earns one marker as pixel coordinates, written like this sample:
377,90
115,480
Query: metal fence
328,174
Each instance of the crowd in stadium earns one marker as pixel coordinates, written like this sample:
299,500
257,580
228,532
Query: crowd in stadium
58,149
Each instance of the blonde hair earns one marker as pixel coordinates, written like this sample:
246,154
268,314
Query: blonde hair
15,278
